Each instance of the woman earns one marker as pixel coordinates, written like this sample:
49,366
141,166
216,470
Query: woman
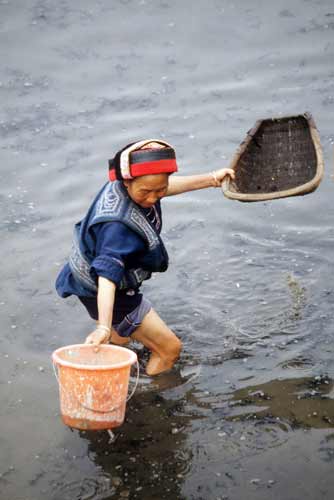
117,246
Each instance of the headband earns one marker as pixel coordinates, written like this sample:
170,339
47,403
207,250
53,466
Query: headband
132,161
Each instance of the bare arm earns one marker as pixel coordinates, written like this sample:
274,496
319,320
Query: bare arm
105,305
183,184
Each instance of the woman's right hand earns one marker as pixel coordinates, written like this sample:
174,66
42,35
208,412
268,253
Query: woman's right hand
99,336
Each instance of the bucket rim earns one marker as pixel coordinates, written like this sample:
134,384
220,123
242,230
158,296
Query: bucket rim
79,366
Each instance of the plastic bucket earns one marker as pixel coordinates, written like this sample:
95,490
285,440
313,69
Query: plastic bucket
93,384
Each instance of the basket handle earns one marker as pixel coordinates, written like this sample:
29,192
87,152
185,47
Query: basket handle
110,409
225,185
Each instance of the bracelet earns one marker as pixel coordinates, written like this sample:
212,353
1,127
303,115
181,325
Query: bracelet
104,327
214,176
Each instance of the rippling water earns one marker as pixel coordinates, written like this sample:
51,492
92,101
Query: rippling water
249,410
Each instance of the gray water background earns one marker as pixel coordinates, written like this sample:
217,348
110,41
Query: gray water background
249,289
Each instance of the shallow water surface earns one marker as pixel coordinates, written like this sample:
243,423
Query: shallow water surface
248,411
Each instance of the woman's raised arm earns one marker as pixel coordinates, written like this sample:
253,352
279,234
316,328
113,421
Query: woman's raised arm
184,183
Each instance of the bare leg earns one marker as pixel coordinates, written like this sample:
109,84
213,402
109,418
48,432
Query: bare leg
117,339
160,340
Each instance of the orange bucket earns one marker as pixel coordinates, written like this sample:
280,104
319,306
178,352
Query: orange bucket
93,384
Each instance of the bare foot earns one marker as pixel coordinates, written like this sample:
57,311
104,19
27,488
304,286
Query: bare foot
158,365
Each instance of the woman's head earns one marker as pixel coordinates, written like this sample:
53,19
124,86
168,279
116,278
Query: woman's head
144,168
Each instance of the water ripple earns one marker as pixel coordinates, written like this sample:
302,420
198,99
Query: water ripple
94,488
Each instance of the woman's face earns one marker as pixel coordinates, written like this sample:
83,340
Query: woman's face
147,189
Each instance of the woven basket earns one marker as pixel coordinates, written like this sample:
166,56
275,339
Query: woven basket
280,157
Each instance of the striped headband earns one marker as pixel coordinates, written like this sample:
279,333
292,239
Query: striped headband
132,161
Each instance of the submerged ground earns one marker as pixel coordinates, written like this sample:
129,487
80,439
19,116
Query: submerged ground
249,411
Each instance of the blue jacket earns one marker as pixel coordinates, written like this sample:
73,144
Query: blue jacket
113,220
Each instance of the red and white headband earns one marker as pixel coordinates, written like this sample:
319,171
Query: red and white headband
132,161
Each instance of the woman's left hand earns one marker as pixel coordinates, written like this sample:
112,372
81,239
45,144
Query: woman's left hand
219,175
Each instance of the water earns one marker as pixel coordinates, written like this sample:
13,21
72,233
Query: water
249,288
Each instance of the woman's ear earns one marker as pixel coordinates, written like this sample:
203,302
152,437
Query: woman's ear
126,183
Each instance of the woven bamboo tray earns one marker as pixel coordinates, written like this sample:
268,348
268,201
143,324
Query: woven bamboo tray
280,157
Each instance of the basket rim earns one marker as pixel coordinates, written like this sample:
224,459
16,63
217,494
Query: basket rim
307,187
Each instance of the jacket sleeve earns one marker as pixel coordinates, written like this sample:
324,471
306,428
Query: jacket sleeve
115,244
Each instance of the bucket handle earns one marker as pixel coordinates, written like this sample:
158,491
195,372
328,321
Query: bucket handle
114,407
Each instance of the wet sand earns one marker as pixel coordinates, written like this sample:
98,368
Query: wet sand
248,411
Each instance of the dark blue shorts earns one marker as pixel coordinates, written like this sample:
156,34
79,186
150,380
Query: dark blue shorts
129,311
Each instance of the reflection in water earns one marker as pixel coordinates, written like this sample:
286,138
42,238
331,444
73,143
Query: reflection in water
149,453
301,402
